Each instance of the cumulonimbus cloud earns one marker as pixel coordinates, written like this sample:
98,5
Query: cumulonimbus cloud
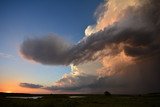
129,46
138,30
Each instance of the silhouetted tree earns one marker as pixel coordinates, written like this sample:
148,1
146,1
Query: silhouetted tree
107,93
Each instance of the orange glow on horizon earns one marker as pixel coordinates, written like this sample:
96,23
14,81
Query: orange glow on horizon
13,87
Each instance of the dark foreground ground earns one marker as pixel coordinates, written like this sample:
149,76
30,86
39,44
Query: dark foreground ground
149,100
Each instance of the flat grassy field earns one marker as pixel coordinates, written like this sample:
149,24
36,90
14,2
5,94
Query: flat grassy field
82,101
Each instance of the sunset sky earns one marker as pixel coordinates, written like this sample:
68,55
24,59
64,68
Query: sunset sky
35,18
79,46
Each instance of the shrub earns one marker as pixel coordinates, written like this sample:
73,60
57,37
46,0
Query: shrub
107,93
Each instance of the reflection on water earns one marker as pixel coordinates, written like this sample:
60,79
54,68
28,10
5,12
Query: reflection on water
36,97
33,97
76,96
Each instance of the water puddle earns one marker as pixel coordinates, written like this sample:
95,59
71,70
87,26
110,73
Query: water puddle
33,97
76,96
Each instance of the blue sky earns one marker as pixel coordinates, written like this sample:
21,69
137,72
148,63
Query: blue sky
21,19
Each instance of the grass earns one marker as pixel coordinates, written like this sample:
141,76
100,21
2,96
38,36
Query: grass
87,101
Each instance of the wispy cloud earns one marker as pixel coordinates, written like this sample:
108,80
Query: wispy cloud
5,55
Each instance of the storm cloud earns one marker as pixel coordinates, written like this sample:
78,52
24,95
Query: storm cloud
138,30
128,51
47,50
